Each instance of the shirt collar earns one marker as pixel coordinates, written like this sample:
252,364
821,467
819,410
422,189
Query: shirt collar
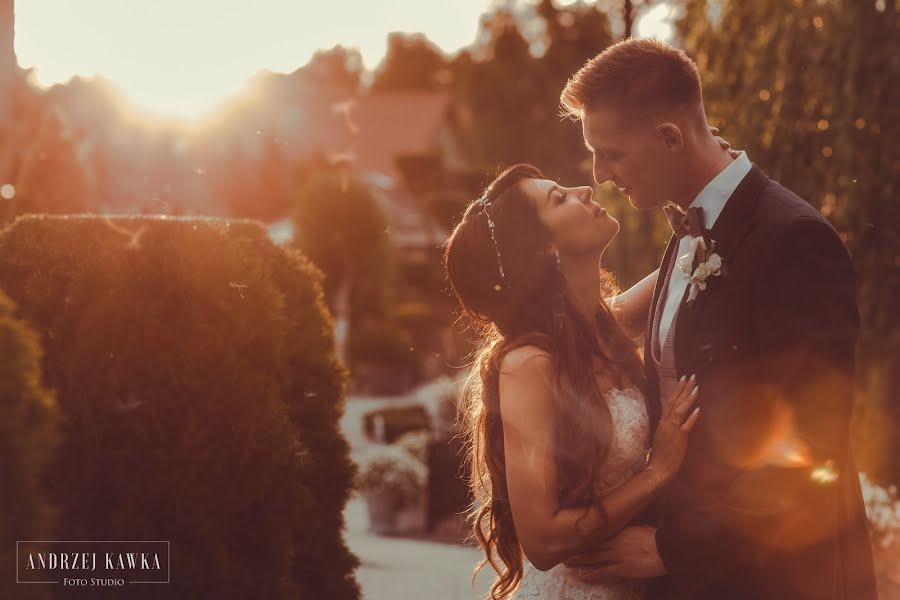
713,197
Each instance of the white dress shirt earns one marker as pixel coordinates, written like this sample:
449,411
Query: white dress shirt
712,200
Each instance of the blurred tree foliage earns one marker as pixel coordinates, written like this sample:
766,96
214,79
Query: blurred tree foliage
810,88
412,63
51,177
254,188
341,228
28,438
507,87
338,66
505,96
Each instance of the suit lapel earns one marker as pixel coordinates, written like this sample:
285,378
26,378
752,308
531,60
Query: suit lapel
732,226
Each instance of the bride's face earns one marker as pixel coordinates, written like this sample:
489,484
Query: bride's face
576,223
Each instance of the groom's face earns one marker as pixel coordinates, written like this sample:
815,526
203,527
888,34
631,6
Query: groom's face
629,154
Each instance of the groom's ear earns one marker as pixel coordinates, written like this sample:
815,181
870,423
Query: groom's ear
670,135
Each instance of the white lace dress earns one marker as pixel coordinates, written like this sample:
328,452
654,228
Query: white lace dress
626,457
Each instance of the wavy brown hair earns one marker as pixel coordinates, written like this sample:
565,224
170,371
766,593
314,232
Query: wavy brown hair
529,306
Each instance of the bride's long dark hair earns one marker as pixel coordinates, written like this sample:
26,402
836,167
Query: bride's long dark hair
528,306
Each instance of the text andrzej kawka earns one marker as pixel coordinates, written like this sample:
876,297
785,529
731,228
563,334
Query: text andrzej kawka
70,562
87,561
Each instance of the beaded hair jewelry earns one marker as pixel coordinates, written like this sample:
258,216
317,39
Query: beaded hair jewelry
485,203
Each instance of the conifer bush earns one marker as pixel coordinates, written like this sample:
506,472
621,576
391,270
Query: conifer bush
28,421
194,363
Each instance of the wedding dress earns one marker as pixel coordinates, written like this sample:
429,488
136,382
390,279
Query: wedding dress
626,458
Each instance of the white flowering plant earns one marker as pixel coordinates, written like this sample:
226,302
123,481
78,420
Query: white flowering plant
882,510
392,470
415,443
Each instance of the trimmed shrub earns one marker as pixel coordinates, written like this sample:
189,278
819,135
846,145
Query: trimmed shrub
28,421
195,365
314,385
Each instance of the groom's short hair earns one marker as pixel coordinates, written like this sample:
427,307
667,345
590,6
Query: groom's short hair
637,76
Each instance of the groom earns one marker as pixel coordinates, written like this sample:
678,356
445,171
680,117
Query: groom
756,297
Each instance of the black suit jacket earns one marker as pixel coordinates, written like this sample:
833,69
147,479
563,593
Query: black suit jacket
772,344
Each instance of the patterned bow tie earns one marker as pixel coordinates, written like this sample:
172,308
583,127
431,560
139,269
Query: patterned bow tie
690,223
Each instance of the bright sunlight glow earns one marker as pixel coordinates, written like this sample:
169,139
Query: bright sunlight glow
657,22
182,57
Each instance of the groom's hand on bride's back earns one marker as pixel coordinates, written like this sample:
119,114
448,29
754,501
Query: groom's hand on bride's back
630,554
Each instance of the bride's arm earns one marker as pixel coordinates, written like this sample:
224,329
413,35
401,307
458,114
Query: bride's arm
632,306
550,535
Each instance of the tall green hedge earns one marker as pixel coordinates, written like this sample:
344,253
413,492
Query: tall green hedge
315,386
28,421
195,365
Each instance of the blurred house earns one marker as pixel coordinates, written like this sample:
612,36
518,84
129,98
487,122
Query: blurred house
401,144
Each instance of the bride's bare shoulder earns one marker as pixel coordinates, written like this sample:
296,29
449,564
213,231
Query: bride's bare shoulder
526,388
526,360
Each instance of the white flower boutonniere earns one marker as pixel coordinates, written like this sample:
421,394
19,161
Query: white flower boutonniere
700,264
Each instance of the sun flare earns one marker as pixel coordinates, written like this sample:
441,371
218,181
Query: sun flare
183,57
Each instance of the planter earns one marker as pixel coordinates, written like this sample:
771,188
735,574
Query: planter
411,519
382,509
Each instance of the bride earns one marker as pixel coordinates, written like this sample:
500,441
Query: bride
557,425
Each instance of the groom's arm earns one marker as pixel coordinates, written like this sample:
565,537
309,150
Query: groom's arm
806,320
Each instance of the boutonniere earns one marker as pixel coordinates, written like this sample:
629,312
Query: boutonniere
700,264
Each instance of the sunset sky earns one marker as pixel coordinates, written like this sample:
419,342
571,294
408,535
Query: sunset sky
181,57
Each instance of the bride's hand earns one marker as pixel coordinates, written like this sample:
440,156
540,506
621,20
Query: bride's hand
670,439
725,144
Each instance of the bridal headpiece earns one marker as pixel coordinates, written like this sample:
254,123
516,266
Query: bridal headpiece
485,203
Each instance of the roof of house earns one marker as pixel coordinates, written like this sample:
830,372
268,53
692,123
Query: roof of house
392,125
371,131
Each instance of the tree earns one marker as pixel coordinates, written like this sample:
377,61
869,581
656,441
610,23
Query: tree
273,199
29,436
508,96
234,182
52,177
810,89
341,227
496,95
340,66
101,165
412,63
508,106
